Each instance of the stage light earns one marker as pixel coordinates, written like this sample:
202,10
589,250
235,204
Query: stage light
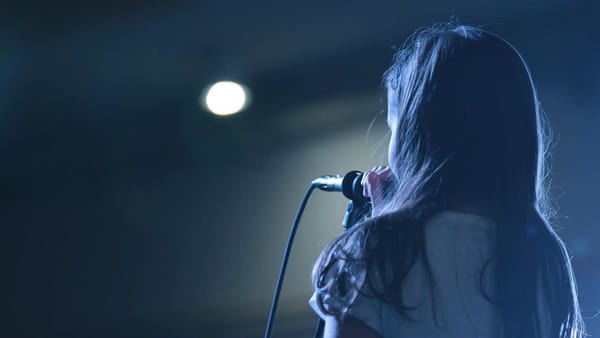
226,98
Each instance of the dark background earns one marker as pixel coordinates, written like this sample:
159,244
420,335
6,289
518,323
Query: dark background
129,211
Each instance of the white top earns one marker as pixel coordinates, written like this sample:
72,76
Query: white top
457,245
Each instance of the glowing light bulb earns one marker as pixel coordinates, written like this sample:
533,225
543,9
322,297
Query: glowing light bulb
226,98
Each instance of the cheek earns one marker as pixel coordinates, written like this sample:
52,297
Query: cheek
393,156
392,151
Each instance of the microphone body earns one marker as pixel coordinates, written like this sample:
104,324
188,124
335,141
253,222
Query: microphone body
329,182
350,185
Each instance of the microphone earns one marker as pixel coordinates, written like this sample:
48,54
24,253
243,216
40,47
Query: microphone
349,184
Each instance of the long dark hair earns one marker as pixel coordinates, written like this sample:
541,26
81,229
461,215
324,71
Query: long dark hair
468,127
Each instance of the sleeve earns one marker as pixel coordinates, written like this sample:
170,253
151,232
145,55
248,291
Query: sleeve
367,310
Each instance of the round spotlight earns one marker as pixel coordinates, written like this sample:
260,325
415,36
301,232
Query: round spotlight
226,98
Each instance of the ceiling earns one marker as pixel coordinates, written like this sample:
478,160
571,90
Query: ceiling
118,82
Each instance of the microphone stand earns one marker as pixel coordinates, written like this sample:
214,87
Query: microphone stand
355,213
358,208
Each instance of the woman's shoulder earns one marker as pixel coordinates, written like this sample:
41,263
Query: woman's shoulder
460,224
463,238
461,218
441,218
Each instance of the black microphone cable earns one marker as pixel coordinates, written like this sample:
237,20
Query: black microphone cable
286,256
350,186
